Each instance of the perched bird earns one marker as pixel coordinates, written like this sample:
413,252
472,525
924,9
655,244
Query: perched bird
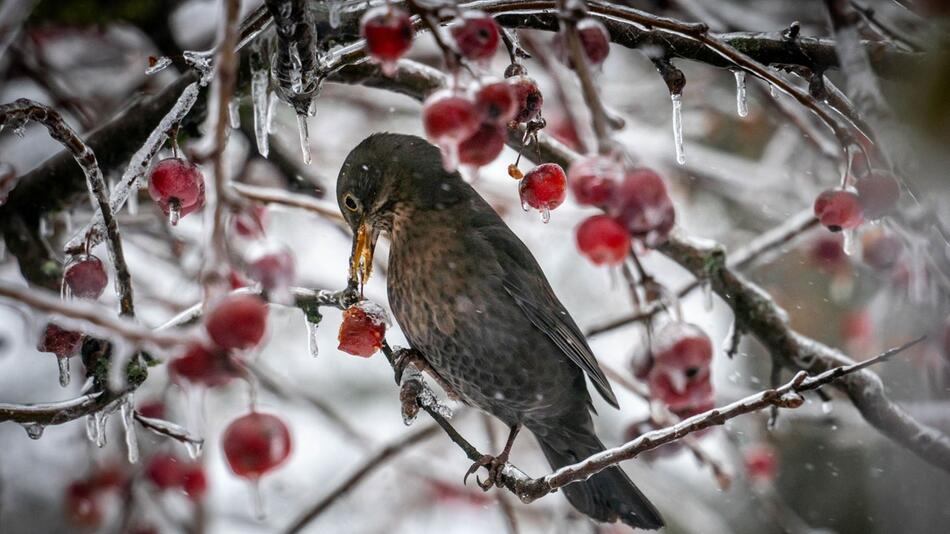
472,299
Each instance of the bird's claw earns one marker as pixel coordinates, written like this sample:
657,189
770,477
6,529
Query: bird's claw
494,464
404,357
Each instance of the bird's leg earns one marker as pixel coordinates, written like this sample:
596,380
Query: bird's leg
494,464
404,357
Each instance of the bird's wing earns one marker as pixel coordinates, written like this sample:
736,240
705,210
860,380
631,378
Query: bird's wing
525,282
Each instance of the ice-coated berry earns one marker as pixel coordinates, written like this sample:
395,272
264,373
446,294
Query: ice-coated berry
362,331
878,193
880,250
85,277
274,270
483,146
177,186
388,33
838,209
496,103
449,117
528,96
83,508
827,253
476,35
202,365
760,463
251,222
194,482
642,204
544,187
594,39
59,341
682,354
594,179
603,240
237,322
164,471
255,444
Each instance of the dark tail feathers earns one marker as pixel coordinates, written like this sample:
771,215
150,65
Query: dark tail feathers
607,496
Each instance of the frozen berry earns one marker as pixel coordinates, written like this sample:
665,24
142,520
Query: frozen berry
251,222
476,35
760,463
273,269
59,341
880,250
594,179
838,210
85,277
827,253
528,96
603,240
857,327
362,330
178,187
153,409
449,117
594,39
82,505
237,322
643,206
562,129
388,33
496,102
255,444
483,146
164,471
682,355
201,365
544,187
878,193
194,482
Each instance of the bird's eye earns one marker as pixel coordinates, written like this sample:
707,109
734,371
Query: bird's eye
350,202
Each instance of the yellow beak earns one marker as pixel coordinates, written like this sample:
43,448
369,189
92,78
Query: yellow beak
361,258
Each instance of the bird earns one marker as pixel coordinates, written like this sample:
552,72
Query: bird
473,301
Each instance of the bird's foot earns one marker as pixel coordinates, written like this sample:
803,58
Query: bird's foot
403,357
495,466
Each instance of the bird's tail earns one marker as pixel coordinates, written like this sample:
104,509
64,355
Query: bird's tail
607,496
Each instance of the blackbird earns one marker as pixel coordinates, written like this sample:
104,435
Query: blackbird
473,300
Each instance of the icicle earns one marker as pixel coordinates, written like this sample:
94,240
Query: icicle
174,212
45,227
33,430
272,111
194,448
705,284
313,331
303,128
121,356
259,101
525,206
771,90
201,62
96,427
334,14
260,513
296,70
157,64
133,202
234,113
128,424
826,407
677,99
63,364
742,105
545,215
850,242
450,155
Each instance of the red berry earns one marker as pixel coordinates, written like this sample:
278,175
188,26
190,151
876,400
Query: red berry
176,183
682,354
153,409
878,193
86,277
528,96
255,444
250,223
82,504
838,210
564,131
594,179
643,206
594,39
476,35
194,482
544,187
237,322
59,341
857,326
201,365
827,253
106,478
274,270
449,118
603,240
760,463
484,146
164,471
880,250
388,33
496,103
362,330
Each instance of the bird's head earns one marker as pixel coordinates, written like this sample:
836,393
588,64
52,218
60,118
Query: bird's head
384,176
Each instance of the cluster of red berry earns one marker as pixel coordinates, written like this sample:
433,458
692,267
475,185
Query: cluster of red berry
84,497
874,194
266,263
636,204
168,472
363,329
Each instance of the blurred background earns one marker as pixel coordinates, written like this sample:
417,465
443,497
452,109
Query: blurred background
821,469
